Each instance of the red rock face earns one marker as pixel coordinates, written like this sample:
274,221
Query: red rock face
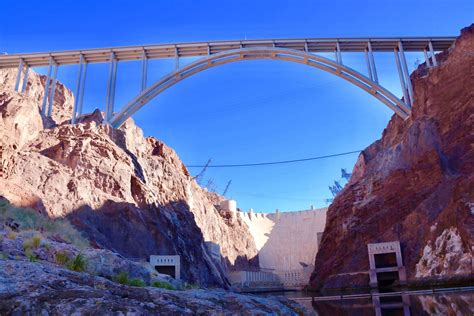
127,193
415,184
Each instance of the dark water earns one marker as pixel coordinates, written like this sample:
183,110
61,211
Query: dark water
449,302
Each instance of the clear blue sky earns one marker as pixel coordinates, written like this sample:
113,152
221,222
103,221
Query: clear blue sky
243,112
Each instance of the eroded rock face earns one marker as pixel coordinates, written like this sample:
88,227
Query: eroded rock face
447,256
42,288
414,185
128,193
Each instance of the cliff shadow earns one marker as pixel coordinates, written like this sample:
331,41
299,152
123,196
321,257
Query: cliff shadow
136,233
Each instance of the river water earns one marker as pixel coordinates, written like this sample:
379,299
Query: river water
458,301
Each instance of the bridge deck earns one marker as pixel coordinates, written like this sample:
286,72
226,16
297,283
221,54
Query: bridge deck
127,53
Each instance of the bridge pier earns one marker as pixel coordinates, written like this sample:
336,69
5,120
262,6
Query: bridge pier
402,77
46,87
144,70
372,63
25,79
406,73
176,58
83,86
81,79
338,53
53,91
109,103
427,59
369,66
433,57
18,76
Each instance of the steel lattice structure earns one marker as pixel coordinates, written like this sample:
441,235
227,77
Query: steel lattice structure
303,51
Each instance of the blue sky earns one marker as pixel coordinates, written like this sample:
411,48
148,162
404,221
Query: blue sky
244,112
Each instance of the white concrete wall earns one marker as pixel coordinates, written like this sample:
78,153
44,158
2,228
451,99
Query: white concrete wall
286,241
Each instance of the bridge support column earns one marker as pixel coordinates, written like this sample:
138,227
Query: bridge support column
18,75
46,87
406,73
369,67
402,77
372,63
25,79
176,58
144,70
78,89
433,57
81,93
338,53
109,110
427,59
53,91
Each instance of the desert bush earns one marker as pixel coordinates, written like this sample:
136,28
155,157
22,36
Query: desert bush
11,235
29,253
162,285
136,282
32,243
62,258
29,219
79,263
36,241
121,278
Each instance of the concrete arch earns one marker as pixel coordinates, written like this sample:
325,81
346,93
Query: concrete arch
260,53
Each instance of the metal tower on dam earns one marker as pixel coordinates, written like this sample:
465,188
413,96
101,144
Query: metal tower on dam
303,51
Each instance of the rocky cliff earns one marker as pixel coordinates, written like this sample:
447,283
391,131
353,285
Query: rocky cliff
127,193
58,291
415,184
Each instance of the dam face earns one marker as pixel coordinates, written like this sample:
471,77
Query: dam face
286,240
287,243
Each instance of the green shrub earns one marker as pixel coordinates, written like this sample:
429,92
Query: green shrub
136,282
32,258
32,243
79,263
162,285
121,278
36,241
62,258
30,255
29,219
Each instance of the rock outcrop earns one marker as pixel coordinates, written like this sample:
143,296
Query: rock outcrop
415,185
44,289
127,193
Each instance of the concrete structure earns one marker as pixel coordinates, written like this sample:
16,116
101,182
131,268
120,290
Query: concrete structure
170,265
223,52
286,240
385,262
229,206
254,279
287,243
392,305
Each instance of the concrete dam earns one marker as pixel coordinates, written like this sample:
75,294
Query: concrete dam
287,243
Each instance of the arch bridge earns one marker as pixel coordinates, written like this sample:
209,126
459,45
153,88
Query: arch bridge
212,54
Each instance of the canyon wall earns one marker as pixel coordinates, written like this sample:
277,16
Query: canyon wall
415,184
126,192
